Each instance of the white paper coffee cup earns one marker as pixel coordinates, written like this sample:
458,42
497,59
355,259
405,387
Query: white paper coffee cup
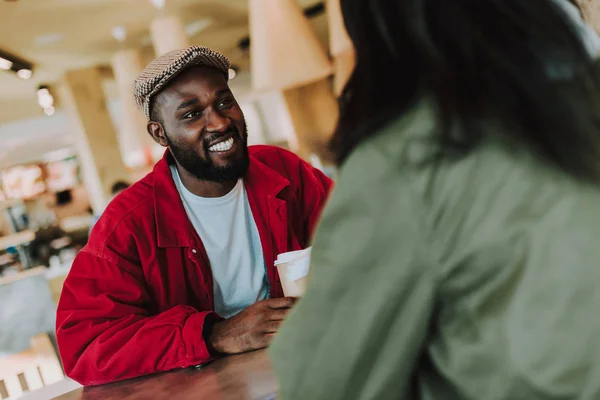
293,268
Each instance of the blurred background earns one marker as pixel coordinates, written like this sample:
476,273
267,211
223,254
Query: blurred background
69,128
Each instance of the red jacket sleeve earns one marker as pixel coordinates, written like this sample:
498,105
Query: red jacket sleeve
106,333
315,191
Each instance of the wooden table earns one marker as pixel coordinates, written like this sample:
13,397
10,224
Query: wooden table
245,376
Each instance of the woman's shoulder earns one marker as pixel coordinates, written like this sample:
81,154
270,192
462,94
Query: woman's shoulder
486,186
396,140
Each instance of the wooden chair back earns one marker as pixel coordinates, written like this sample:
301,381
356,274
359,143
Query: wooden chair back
29,370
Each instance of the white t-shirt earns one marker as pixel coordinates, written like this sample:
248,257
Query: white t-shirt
230,236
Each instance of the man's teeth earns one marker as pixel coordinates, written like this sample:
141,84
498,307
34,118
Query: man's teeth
223,146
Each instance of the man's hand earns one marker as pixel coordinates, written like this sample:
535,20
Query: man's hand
252,329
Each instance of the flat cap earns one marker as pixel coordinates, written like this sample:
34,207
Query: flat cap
166,67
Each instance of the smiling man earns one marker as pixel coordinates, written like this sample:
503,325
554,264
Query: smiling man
179,268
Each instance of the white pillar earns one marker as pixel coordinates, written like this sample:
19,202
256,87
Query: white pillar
96,138
168,33
135,142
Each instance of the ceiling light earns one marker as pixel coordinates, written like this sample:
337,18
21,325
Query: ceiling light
24,73
5,64
15,64
119,33
159,4
232,73
45,100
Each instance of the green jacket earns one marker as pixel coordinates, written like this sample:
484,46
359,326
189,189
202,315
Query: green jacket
474,280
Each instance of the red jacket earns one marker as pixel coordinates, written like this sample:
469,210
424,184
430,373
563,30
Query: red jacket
137,295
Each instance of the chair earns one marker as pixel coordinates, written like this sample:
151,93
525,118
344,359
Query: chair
29,370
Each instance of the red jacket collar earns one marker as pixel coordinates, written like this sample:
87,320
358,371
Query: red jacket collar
172,224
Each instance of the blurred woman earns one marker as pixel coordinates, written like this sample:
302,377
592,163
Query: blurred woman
459,257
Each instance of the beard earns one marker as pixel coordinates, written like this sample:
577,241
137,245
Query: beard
203,168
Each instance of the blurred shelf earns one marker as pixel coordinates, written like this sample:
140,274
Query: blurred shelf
76,223
16,239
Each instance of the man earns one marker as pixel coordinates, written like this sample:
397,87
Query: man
179,268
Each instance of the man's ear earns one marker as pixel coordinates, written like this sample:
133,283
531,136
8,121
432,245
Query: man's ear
155,129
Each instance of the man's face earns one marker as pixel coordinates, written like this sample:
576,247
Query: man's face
203,126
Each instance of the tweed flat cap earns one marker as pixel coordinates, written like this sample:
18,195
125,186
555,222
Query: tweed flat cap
166,67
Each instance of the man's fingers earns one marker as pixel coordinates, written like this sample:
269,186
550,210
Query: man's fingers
270,336
278,314
283,302
272,326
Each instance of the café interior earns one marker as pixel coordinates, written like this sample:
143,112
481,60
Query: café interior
69,129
